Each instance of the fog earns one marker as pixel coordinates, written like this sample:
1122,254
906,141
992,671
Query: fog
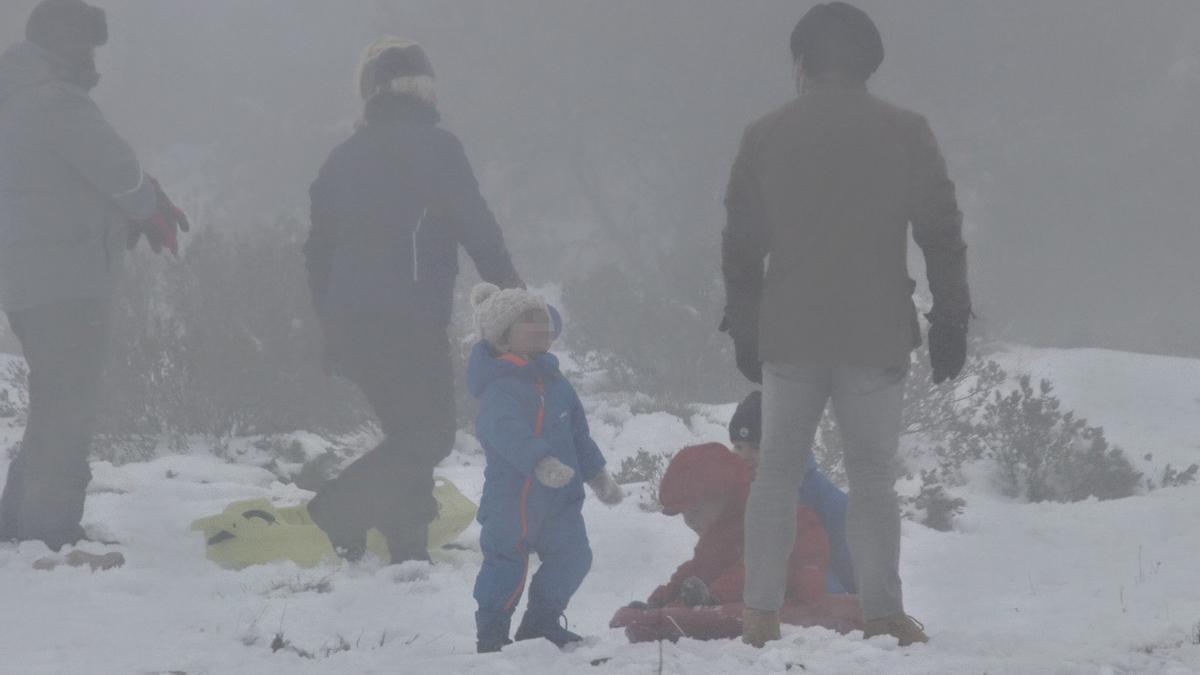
605,130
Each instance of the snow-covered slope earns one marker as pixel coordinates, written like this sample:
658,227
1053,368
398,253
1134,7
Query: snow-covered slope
1086,588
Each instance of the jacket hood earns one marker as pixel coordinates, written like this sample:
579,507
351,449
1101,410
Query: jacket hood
703,473
485,367
24,65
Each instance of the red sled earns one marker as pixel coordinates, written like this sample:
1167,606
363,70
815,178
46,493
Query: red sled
841,613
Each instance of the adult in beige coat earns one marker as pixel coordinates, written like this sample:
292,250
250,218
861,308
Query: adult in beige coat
825,189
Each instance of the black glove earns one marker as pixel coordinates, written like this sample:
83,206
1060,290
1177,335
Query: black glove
947,347
695,593
744,331
638,604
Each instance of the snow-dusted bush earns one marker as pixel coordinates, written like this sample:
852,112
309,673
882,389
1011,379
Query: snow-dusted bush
14,391
222,341
932,505
1173,477
647,468
1042,453
1047,454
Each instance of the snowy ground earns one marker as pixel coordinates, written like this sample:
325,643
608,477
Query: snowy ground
1087,588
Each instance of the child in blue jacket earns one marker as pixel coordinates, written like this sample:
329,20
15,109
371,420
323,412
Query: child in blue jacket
539,454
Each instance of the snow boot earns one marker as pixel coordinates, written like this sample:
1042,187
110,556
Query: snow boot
349,540
759,627
903,627
491,631
541,623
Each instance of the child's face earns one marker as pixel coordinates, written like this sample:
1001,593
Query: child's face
531,334
749,453
702,516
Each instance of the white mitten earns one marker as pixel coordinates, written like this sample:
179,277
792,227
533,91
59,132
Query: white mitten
606,489
553,473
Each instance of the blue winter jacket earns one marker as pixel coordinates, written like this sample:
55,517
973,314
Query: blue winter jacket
510,406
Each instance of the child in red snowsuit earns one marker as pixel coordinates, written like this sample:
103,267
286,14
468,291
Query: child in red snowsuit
708,485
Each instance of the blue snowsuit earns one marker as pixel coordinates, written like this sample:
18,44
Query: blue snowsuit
829,502
528,411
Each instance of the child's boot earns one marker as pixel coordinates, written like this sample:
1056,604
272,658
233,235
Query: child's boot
492,631
541,623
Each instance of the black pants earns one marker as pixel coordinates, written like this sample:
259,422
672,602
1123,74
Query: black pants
404,370
65,345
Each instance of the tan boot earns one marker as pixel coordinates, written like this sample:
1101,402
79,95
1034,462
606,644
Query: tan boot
759,627
900,626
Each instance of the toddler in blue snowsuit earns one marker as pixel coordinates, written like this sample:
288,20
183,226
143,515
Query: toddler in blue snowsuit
539,454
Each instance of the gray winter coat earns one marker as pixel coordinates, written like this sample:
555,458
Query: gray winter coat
69,184
827,187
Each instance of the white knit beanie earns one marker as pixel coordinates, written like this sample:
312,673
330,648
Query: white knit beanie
497,310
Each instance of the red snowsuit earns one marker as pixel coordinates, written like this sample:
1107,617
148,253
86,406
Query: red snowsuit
717,561
704,473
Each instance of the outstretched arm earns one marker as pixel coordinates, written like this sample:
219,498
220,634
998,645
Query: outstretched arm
81,135
746,238
937,229
591,460
478,231
322,239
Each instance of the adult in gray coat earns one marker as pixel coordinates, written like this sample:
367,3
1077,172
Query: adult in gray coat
72,197
827,187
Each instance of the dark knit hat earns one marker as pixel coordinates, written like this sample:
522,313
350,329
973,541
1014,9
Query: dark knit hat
703,473
746,424
838,38
390,59
66,26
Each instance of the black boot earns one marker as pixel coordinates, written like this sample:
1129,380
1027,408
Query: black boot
409,543
349,540
541,623
491,630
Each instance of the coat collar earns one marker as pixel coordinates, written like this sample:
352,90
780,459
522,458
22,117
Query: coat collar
832,83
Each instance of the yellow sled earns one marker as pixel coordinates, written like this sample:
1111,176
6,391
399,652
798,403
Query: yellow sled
254,531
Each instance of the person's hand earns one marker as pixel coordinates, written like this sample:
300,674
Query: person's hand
638,604
553,473
163,227
694,593
606,489
947,347
742,326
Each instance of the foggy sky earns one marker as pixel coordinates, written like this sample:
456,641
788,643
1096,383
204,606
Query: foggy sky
1070,127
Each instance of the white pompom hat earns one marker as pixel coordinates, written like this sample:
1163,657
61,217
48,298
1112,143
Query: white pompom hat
497,310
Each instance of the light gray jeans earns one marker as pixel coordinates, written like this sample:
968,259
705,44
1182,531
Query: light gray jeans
868,404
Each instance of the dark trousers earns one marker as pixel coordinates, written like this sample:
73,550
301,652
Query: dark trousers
404,370
66,346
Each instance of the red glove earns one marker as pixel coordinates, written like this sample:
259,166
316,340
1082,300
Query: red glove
161,229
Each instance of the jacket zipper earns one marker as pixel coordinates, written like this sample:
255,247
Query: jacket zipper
540,422
416,258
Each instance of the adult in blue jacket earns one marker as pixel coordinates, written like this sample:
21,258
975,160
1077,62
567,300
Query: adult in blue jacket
390,208
817,492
